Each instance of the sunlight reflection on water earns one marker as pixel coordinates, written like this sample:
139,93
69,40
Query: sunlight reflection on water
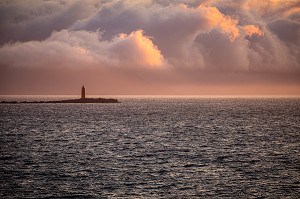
151,147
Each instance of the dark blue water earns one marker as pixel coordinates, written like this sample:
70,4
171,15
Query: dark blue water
152,148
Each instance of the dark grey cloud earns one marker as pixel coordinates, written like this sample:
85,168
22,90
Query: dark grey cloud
287,30
36,20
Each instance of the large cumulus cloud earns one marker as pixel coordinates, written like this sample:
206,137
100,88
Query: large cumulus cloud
83,49
174,44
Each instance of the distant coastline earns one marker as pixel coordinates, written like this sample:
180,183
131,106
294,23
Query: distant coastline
81,100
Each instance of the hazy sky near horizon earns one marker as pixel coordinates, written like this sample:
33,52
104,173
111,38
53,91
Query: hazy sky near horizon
150,47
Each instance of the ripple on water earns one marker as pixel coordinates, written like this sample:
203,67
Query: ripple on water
152,148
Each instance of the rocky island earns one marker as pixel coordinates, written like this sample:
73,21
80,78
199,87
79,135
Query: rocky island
83,99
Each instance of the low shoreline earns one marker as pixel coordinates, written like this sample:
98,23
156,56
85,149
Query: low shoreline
85,100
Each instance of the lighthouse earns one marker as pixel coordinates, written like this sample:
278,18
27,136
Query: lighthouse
82,92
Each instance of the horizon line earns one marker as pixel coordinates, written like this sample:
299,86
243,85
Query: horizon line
164,95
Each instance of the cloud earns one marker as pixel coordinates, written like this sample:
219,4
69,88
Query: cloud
83,49
136,48
173,27
168,26
124,16
252,30
271,9
226,24
287,30
152,42
36,20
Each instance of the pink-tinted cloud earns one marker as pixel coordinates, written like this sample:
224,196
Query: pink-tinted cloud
83,49
252,30
226,24
136,49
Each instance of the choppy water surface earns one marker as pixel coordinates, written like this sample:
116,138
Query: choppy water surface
152,148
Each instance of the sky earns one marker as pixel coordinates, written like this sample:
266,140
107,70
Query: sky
150,47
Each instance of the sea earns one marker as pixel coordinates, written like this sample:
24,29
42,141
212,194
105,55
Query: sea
151,147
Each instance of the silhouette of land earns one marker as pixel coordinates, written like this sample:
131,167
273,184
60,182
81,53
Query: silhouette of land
82,100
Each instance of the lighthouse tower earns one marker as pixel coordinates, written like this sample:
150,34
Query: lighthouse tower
82,92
